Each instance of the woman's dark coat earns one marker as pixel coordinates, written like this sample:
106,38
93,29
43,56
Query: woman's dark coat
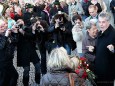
7,50
45,17
26,49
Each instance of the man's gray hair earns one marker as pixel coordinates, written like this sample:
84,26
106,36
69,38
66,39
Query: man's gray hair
93,22
105,15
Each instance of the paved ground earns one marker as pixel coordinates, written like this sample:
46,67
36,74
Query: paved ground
20,72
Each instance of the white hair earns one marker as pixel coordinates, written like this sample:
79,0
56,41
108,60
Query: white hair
58,59
105,15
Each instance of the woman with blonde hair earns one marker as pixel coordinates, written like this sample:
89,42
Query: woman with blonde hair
59,67
60,72
58,59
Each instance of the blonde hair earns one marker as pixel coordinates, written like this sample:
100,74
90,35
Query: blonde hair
58,59
75,62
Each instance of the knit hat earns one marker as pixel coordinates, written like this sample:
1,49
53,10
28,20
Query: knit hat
56,2
29,5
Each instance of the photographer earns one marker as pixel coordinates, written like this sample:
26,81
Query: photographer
26,52
8,41
40,30
60,29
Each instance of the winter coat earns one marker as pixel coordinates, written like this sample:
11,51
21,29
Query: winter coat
88,41
112,5
60,78
26,17
41,39
105,59
45,16
37,11
85,8
7,47
59,37
65,8
78,38
26,49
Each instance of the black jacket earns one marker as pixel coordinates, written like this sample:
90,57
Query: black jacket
59,37
7,47
45,17
105,60
26,49
112,5
26,18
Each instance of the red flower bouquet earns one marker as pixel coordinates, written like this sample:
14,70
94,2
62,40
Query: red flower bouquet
83,70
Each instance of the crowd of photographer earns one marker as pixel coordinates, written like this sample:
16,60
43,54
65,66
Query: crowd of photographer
46,27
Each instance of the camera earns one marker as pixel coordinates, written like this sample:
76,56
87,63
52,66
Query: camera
19,25
61,25
38,27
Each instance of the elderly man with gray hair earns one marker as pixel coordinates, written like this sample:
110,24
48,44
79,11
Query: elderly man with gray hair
89,42
105,56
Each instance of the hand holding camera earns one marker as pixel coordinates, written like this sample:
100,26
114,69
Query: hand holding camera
77,26
38,26
14,29
19,23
